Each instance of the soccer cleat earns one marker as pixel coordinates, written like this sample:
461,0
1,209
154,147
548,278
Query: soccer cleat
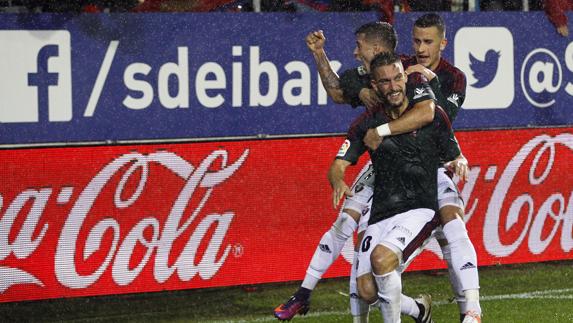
472,317
285,312
424,303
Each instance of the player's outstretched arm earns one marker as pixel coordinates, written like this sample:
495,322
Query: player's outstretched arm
336,179
330,80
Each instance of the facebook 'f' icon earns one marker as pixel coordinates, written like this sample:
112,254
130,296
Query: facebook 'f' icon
35,76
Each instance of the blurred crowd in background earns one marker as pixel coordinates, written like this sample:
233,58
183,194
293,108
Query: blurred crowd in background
555,9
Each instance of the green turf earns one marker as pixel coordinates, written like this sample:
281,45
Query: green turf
508,295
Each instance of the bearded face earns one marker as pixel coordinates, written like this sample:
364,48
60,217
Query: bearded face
389,81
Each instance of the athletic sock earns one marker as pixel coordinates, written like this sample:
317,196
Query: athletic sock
408,306
389,291
358,307
464,262
329,249
454,280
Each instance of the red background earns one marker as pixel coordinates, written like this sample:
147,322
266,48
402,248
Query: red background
280,198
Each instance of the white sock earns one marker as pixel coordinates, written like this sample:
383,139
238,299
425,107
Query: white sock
454,281
389,291
464,261
329,249
358,307
472,301
408,306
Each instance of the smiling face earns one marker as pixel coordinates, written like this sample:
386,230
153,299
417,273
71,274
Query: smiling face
389,81
428,45
366,50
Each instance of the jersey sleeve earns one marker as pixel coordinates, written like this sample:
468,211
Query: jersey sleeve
447,142
451,99
419,91
351,84
353,147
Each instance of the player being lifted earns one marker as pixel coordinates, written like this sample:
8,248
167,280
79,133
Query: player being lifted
353,87
403,213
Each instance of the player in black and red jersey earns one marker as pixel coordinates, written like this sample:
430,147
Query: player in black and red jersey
353,87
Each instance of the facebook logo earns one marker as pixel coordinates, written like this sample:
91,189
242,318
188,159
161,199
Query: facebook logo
485,55
35,76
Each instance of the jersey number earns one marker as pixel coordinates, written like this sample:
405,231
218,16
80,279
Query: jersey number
366,243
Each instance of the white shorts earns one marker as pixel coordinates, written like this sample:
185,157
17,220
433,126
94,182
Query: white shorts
361,201
363,189
448,193
405,233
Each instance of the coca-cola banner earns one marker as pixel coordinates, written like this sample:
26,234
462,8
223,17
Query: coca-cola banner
128,219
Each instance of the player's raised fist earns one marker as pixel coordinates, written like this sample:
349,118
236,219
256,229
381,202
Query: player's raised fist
315,40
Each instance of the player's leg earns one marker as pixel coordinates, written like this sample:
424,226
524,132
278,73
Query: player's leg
330,245
401,235
359,308
457,247
420,308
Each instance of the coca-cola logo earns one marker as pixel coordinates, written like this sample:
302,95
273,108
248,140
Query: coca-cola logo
536,214
162,237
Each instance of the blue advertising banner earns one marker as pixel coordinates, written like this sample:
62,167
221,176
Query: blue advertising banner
163,76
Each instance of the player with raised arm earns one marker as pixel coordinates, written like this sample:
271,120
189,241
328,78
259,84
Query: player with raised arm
353,87
371,39
429,40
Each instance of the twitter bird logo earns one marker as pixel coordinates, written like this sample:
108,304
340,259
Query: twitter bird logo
484,71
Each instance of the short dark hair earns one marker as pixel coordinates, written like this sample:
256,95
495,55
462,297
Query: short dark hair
431,20
383,59
380,32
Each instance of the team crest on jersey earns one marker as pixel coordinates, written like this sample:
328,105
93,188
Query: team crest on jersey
362,70
344,148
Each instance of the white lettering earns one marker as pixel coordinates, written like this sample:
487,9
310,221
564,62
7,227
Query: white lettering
536,244
180,71
258,68
202,84
569,64
545,70
303,84
141,86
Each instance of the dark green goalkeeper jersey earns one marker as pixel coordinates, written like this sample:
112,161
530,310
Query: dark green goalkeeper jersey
405,165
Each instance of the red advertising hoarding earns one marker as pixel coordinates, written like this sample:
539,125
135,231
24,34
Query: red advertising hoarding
128,219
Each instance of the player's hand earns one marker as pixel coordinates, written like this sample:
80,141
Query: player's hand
419,68
459,166
339,190
372,140
369,98
563,30
315,41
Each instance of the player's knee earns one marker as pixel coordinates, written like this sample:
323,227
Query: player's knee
344,226
455,231
355,215
383,260
367,288
449,213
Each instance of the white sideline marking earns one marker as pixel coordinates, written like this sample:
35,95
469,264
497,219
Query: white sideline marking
543,294
101,77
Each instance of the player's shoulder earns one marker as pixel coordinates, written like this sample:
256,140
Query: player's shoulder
449,68
358,71
408,60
